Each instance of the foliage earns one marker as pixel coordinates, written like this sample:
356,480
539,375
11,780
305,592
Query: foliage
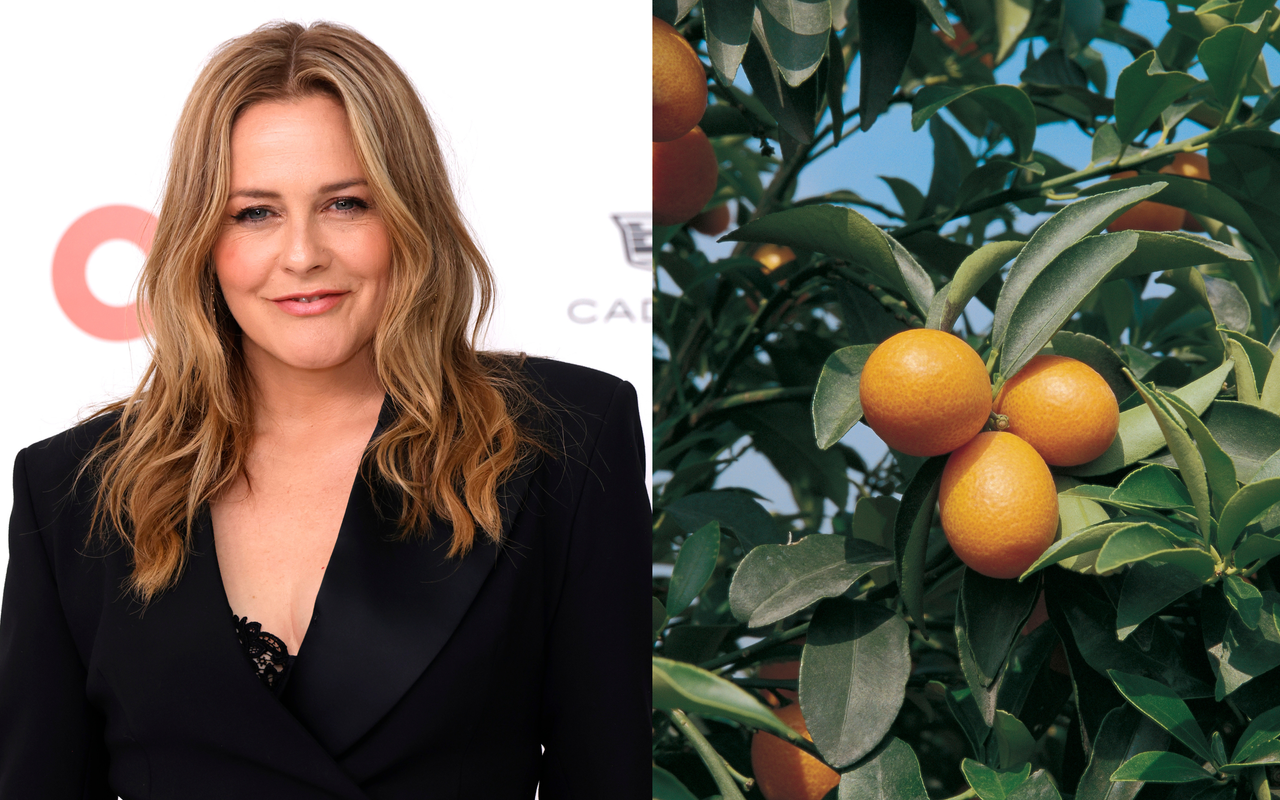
1157,672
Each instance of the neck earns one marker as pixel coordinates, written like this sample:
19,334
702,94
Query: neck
293,400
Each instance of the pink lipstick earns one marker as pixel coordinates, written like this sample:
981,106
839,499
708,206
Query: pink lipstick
306,304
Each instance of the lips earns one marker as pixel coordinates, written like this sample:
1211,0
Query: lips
306,304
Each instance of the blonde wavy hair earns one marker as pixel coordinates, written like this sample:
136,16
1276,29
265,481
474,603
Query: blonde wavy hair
184,434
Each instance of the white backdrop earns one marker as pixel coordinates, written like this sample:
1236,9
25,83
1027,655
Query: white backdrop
543,114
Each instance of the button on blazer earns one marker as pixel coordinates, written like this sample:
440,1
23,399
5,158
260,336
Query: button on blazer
519,665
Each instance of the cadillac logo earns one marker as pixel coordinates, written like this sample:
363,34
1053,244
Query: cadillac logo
637,237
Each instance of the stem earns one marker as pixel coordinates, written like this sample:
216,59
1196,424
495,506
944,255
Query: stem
967,793
1034,189
774,394
763,644
1258,779
715,762
754,332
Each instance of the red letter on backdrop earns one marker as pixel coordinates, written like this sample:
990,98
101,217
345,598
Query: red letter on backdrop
71,258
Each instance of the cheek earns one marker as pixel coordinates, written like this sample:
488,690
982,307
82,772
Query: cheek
372,253
233,265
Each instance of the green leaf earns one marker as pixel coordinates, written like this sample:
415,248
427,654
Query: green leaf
837,406
1140,434
1124,733
984,694
667,787
1246,384
1143,90
1084,541
1055,236
1055,293
887,30
1228,58
1012,17
1176,250
1007,106
1074,515
775,581
990,784
1237,654
1003,606
992,176
1217,748
1039,786
1220,470
672,11
1153,486
1148,588
796,31
1249,502
1147,542
890,772
781,433
973,272
1249,435
1185,453
952,165
853,677
1106,146
1161,768
659,617
794,108
1197,196
918,280
736,511
863,318
1165,708
909,198
1092,625
696,691
1222,298
964,709
1014,743
873,522
1260,357
694,566
1244,598
911,535
1262,729
939,16
845,234
728,27
1256,547
1270,399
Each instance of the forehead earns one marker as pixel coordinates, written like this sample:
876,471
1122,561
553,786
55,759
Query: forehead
296,140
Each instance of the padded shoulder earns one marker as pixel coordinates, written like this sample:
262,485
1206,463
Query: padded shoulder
53,463
570,385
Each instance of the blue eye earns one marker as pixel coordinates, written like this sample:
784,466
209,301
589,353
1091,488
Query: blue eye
255,214
349,204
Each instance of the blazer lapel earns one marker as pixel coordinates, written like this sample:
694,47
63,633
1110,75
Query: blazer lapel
195,679
385,609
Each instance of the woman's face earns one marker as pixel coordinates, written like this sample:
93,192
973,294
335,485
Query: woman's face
303,260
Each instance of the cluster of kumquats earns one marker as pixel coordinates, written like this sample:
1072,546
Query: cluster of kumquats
684,163
927,393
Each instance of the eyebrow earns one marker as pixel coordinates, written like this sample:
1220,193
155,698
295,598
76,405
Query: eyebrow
327,188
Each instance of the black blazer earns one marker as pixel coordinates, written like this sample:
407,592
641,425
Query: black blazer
419,676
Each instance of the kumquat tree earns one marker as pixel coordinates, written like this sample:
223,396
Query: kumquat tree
1026,404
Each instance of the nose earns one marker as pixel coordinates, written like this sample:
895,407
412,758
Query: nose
303,248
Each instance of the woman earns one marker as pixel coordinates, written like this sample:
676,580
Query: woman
327,548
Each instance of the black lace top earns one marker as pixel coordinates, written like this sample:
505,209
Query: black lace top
269,655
